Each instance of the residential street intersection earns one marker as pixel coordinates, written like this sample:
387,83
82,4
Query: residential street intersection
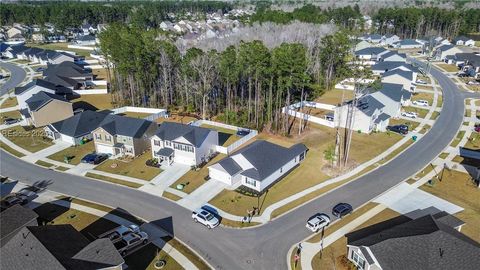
266,246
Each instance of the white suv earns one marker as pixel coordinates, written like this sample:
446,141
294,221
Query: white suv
317,222
206,218
409,114
421,102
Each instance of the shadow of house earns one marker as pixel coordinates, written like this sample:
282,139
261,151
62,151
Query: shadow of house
471,163
48,212
83,105
7,187
223,137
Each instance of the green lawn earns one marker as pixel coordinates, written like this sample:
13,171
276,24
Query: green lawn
225,136
11,114
9,102
435,115
60,46
99,102
421,112
448,67
44,164
458,138
458,188
11,150
75,153
131,167
28,138
113,180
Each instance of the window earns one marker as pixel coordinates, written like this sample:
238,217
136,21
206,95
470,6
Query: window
250,182
98,136
156,142
281,169
168,143
108,138
128,150
302,156
358,260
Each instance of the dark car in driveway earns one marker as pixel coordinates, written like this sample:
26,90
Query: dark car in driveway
94,158
342,209
400,129
11,121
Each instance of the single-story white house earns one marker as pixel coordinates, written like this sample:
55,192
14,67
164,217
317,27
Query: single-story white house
464,41
408,44
258,165
441,52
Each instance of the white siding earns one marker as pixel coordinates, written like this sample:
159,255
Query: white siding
207,148
68,139
29,93
361,121
219,175
106,149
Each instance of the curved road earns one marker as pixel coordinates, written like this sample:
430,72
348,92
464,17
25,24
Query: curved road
17,75
263,247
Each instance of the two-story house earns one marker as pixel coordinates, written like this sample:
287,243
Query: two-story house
68,74
44,108
120,135
258,165
25,92
185,144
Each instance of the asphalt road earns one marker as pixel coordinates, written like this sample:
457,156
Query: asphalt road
18,76
263,247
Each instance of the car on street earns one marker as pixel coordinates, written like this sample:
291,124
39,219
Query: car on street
11,121
94,158
130,241
400,129
421,81
342,209
205,217
318,222
21,197
410,114
421,102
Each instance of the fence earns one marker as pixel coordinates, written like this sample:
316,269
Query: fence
87,48
99,82
154,112
91,91
94,66
293,112
232,147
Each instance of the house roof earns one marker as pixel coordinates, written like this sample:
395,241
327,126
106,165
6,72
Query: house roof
265,158
165,152
389,65
389,35
393,91
171,131
13,219
62,80
80,124
58,247
462,38
42,83
87,38
370,51
40,99
408,42
445,47
422,243
403,73
373,36
473,59
382,117
17,49
125,126
392,53
369,104
66,69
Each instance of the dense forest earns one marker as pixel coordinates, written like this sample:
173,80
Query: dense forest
72,13
246,84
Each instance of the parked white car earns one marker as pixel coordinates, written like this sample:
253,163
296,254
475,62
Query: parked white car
473,83
206,218
421,82
410,114
421,102
317,222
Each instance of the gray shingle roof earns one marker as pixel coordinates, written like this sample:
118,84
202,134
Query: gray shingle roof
230,166
382,117
40,99
165,152
62,81
462,38
392,53
403,73
422,243
391,65
66,69
370,51
80,124
445,47
170,131
42,83
408,42
125,126
13,219
394,91
368,105
473,59
265,157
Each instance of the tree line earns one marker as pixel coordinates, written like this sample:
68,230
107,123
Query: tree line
423,22
65,14
246,84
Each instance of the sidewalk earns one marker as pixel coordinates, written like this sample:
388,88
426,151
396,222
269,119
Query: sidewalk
57,147
202,195
153,231
165,179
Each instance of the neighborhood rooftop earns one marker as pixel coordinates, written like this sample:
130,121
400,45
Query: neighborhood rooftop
170,131
125,126
13,219
80,124
41,99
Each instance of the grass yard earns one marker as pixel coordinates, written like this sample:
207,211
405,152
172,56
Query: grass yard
9,102
334,96
146,257
435,115
424,78
443,155
11,150
425,129
458,138
192,257
468,113
44,163
473,141
194,179
421,112
411,125
176,118
112,180
310,172
424,87
440,101
62,46
171,196
135,167
225,136
61,168
334,256
101,74
11,114
457,188
75,153
94,102
422,95
28,138
448,67
135,114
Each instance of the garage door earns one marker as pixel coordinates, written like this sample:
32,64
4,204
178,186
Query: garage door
106,149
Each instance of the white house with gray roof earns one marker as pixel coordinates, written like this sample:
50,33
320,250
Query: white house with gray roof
185,144
258,165
382,67
35,86
403,77
442,51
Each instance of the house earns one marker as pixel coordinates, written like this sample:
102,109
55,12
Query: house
120,135
362,45
75,129
185,144
38,37
407,44
370,53
464,41
13,220
58,247
427,242
258,165
469,63
373,38
13,32
35,86
12,51
44,108
389,39
68,74
393,56
86,40
442,51
393,96
404,77
87,29
382,67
